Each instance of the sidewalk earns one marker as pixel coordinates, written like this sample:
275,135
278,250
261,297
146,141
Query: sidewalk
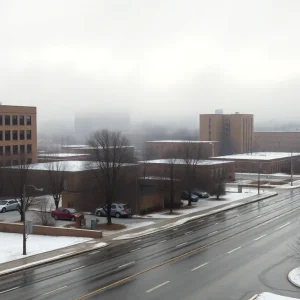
96,245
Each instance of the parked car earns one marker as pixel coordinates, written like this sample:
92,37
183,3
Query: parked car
117,210
6,205
186,196
66,214
200,193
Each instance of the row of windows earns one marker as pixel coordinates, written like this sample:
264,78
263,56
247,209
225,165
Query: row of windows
15,135
15,162
15,149
15,120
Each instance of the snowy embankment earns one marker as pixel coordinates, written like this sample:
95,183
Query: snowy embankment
11,244
294,277
232,195
270,296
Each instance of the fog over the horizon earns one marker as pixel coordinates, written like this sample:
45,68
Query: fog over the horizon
158,59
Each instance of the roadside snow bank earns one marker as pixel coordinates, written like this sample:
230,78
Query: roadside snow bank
270,296
294,277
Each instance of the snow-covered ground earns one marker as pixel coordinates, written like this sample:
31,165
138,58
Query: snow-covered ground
270,296
231,196
128,227
11,244
294,277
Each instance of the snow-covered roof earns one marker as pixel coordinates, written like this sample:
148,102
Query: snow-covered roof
157,178
61,154
89,147
258,156
67,166
183,162
182,141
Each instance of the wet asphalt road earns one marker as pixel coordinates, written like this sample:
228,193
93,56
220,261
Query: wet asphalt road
228,256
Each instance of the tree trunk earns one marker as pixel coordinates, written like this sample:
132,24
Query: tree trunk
108,215
56,202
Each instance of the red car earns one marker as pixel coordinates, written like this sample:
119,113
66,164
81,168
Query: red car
66,214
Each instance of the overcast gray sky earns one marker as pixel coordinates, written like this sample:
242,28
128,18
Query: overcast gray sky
163,58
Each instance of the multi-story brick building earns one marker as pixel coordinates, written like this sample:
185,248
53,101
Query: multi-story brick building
233,131
18,134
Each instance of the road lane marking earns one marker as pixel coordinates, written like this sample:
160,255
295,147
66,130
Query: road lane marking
10,290
260,237
258,216
216,223
63,287
135,249
199,266
213,233
158,286
236,216
162,241
137,241
189,232
286,224
175,229
77,268
181,244
126,265
234,250
237,224
94,252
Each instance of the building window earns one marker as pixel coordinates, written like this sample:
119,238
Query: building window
29,148
15,120
22,149
7,135
28,134
22,120
15,149
28,120
15,135
1,150
1,135
7,120
7,150
1,122
22,135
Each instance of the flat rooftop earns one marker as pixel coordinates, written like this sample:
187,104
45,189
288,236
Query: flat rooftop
182,162
257,156
182,141
83,147
61,155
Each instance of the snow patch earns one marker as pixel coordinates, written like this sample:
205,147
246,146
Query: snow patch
294,277
270,296
11,244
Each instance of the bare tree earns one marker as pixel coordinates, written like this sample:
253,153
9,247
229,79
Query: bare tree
190,154
42,213
170,173
111,155
217,183
57,174
18,178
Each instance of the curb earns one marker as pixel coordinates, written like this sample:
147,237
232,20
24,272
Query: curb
189,219
47,261
291,276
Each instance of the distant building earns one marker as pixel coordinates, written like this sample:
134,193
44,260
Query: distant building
178,148
18,134
234,132
265,162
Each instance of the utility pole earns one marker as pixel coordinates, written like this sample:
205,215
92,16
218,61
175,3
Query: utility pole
292,168
258,180
24,221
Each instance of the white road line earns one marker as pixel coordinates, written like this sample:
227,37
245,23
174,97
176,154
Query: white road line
125,265
234,250
237,216
10,290
181,244
137,241
258,216
158,286
237,224
162,241
286,224
175,229
63,287
78,268
260,237
135,249
213,233
216,223
199,267
94,252
189,232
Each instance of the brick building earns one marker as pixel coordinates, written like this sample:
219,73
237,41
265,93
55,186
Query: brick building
18,134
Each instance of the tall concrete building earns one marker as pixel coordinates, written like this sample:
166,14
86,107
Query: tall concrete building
18,135
234,132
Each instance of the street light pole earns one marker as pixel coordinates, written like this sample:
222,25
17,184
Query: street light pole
24,215
291,168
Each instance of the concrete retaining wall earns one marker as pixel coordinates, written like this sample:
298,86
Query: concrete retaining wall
48,230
